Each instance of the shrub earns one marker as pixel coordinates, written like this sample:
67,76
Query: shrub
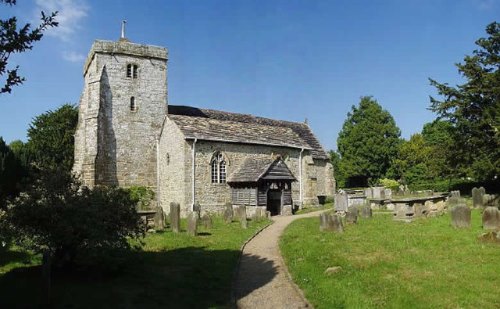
142,196
73,222
390,183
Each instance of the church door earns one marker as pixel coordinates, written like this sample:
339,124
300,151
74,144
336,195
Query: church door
274,202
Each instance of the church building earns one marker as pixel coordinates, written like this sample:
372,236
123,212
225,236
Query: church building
128,135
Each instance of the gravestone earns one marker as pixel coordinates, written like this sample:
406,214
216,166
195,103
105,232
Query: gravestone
159,219
368,192
455,193
228,213
206,221
197,209
388,194
341,201
477,197
286,210
242,215
366,211
260,214
192,223
491,218
482,190
330,222
175,217
351,215
460,216
378,192
454,201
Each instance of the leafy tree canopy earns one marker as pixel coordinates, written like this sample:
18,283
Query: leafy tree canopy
16,38
367,143
473,109
51,140
10,173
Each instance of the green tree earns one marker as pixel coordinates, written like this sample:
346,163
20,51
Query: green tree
335,160
50,138
367,143
412,162
11,173
438,136
17,39
473,109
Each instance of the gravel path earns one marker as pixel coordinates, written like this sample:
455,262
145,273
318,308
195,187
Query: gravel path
262,280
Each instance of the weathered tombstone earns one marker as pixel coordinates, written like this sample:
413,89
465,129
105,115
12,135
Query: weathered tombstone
482,190
159,219
477,197
368,192
206,221
286,210
192,223
491,218
460,216
378,192
330,222
388,194
341,201
175,217
242,215
260,214
197,209
366,211
455,193
228,213
351,215
268,214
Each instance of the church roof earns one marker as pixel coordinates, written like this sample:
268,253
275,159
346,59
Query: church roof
207,124
254,169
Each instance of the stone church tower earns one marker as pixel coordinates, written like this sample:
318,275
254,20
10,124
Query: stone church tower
122,108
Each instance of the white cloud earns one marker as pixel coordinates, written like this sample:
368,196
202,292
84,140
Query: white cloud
72,56
70,16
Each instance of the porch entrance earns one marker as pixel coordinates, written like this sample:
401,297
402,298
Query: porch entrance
274,202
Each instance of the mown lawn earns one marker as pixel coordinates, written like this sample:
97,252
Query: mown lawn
172,271
387,264
312,208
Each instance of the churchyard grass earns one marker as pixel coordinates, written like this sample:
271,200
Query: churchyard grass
172,271
310,208
388,264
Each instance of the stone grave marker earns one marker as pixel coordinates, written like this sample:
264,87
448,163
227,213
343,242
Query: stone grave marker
228,213
242,216
455,193
175,217
477,197
330,222
460,216
192,223
286,210
491,218
388,194
351,215
368,192
366,211
341,201
159,219
206,221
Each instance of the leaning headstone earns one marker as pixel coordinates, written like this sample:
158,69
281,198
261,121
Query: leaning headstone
206,221
228,213
242,215
491,218
286,210
477,197
341,201
366,211
351,215
460,216
192,223
159,219
330,222
175,217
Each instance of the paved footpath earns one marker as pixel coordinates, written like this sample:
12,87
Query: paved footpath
262,280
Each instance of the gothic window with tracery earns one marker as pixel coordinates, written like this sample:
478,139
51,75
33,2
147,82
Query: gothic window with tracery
218,168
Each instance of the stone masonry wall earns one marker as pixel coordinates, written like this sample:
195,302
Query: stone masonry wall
114,144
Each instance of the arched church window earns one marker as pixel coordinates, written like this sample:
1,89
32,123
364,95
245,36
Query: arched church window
218,168
133,107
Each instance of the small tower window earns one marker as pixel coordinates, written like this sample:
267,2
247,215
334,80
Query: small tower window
133,107
131,70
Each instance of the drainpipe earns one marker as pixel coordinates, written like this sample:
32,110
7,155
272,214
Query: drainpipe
157,172
300,177
193,158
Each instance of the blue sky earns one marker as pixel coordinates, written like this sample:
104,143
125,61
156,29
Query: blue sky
287,60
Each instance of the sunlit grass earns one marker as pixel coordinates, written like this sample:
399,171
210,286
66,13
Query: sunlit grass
387,264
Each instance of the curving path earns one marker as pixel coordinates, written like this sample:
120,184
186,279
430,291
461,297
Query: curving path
262,280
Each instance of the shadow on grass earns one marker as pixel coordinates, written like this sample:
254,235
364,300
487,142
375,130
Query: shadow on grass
8,256
191,277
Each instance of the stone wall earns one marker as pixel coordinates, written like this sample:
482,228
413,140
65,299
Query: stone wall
115,145
172,173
